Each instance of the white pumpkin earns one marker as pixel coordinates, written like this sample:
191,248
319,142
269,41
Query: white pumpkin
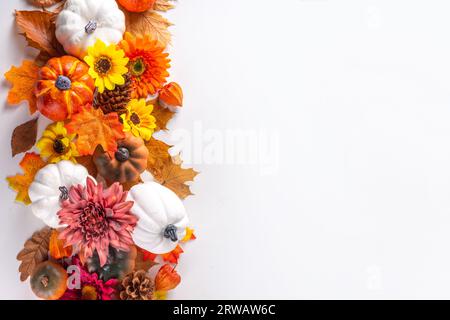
82,22
162,217
51,185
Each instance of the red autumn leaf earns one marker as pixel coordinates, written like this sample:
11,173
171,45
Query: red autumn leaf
173,256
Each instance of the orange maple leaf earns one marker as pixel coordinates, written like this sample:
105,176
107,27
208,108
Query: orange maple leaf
148,255
23,80
95,128
189,235
31,164
173,255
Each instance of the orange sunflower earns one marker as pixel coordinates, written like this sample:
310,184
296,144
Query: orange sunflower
148,64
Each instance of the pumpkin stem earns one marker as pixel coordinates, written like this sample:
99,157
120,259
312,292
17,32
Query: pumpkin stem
122,154
64,193
63,83
90,27
171,232
44,281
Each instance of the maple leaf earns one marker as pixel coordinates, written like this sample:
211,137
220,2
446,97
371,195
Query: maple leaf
35,251
31,164
38,28
24,137
23,80
173,255
149,22
95,128
163,5
142,262
174,177
189,235
161,114
158,155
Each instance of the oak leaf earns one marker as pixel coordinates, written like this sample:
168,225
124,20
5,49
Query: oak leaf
56,247
35,251
163,5
31,164
38,28
151,23
23,80
24,137
95,128
173,255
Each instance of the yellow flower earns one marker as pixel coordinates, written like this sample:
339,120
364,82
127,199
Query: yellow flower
138,119
107,65
56,144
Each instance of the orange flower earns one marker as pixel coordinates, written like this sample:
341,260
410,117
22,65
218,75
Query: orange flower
148,64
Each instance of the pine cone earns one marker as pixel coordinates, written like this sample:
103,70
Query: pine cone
114,100
137,286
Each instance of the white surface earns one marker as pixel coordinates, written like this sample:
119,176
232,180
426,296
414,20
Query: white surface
358,93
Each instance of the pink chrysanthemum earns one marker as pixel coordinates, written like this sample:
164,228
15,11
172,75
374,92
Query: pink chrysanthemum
91,287
97,219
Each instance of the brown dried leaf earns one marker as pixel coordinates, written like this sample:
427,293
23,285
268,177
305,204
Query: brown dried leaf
158,156
88,163
163,5
149,22
44,3
38,28
174,177
35,251
24,137
162,115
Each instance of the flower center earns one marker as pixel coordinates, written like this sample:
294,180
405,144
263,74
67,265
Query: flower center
93,221
135,119
59,146
88,293
137,67
103,65
122,154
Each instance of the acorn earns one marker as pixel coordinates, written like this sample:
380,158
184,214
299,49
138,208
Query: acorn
171,96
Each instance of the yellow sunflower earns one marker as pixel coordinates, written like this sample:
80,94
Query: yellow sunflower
138,119
56,144
107,65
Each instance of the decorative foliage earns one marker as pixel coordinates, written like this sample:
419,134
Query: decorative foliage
34,252
31,163
23,80
101,75
24,137
95,128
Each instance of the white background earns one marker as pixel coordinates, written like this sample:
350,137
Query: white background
357,92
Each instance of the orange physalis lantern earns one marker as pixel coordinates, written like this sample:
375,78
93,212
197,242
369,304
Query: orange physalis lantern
171,95
137,5
56,247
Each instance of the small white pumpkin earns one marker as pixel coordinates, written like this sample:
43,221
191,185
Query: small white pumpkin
51,185
82,22
162,217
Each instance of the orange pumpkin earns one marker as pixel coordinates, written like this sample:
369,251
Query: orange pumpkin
49,281
137,5
63,87
126,165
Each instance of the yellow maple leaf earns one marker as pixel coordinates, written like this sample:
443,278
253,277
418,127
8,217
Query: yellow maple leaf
31,164
23,80
189,235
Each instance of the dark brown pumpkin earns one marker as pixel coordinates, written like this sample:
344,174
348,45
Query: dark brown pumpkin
126,165
49,281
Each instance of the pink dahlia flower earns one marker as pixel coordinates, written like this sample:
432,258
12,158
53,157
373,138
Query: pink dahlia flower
97,219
